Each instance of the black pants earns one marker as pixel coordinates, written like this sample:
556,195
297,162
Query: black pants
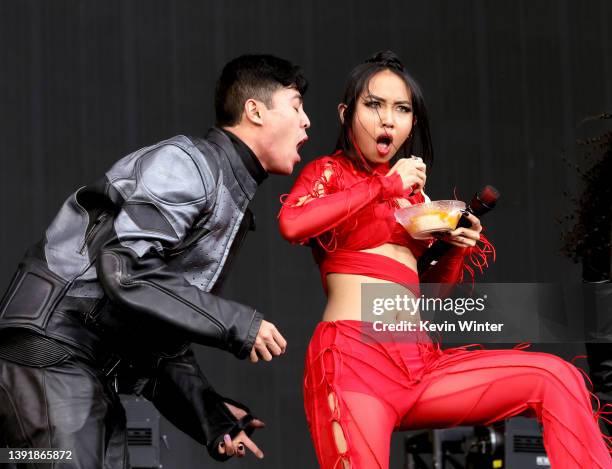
66,406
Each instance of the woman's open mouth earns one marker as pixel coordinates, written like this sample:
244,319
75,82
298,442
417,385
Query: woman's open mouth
383,144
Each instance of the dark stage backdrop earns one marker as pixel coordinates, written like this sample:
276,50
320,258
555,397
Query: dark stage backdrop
83,83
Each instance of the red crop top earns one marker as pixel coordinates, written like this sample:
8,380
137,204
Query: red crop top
347,210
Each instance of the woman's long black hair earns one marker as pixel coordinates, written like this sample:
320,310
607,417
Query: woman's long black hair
419,141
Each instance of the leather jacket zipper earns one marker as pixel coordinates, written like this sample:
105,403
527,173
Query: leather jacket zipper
93,231
189,241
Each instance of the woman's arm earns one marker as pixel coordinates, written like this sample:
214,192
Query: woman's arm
319,200
449,269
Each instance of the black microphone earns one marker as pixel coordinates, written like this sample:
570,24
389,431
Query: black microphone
482,202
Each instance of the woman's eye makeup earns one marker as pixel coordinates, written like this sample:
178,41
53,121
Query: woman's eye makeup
373,104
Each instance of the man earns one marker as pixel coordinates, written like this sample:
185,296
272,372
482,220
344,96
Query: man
126,275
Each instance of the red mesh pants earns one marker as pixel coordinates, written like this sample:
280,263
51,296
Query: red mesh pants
359,389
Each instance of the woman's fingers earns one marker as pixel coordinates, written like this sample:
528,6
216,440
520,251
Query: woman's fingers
422,176
467,236
412,171
458,241
474,220
466,233
461,240
408,164
461,237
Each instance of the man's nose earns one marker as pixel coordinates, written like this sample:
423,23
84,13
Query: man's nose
305,120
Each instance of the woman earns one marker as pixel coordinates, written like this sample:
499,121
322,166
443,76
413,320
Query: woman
360,386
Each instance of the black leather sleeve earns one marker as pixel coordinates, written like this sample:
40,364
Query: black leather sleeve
166,198
181,393
143,285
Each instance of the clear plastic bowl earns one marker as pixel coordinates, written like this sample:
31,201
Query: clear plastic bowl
422,221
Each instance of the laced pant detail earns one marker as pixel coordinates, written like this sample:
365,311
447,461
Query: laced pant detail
359,389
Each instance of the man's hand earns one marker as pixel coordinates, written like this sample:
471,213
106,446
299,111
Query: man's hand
238,445
269,342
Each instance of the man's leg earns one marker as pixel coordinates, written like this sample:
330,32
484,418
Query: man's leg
65,407
116,454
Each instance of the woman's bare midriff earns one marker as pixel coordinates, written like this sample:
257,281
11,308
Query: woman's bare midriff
344,290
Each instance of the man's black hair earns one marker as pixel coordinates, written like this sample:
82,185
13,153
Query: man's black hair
253,77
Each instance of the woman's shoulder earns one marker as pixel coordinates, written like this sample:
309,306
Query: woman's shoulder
336,160
327,173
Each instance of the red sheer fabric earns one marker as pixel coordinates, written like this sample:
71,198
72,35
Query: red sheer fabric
360,386
342,207
346,210
371,265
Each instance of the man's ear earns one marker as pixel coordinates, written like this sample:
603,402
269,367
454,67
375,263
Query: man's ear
253,111
341,111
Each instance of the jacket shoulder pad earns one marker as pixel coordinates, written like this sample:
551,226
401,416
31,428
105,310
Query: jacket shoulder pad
169,174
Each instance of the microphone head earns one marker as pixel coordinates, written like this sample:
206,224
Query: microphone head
483,201
488,195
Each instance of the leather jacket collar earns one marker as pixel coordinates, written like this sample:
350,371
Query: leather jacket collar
249,158
247,175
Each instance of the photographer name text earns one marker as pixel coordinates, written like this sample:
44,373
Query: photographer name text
428,326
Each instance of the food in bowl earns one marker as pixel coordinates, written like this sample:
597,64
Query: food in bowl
423,221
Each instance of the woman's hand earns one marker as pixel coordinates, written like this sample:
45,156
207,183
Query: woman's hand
412,171
464,237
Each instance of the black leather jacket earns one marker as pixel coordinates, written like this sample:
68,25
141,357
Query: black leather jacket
130,265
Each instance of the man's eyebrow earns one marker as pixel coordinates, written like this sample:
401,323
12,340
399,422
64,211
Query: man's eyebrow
298,96
378,98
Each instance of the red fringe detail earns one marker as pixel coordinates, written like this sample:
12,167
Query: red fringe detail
600,411
322,186
522,346
477,257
